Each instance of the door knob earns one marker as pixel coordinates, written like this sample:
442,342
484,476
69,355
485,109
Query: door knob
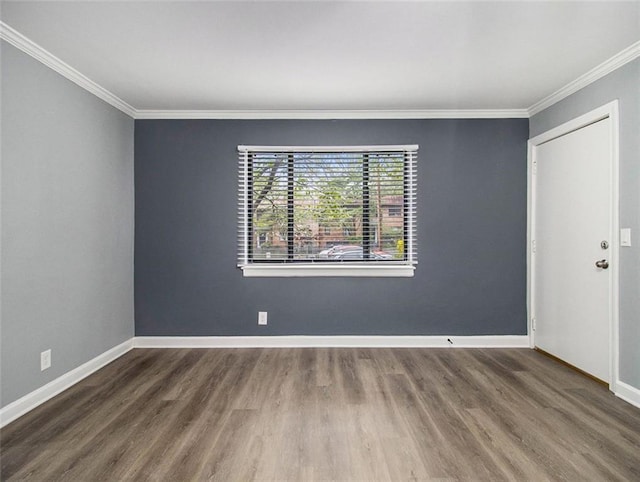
603,263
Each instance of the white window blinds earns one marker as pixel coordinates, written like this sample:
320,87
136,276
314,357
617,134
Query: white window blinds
340,204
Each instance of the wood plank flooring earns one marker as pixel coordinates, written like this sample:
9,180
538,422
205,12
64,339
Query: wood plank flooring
327,414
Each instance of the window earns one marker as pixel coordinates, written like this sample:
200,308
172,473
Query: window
327,211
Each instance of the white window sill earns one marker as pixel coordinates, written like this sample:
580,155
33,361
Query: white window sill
317,270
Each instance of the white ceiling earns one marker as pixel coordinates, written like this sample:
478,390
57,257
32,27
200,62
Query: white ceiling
319,55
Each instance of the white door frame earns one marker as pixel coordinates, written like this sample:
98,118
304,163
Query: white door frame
610,111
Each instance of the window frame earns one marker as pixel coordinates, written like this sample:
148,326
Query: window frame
309,267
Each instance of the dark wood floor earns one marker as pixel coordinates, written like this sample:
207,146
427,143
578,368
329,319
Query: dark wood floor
328,414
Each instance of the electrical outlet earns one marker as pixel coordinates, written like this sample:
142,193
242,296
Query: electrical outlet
262,317
45,359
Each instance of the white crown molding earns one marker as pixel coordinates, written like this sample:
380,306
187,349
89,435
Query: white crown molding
295,341
334,114
620,59
31,48
30,401
18,40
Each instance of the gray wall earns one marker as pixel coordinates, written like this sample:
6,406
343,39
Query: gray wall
67,224
471,226
622,84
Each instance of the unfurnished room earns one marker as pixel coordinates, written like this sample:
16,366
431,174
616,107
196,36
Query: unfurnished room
319,240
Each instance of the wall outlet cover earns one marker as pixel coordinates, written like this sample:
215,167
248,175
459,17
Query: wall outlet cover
45,360
262,317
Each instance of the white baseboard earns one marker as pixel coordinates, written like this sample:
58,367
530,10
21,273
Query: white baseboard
628,393
37,397
30,401
506,341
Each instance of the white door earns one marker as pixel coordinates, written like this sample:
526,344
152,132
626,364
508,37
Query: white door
572,229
